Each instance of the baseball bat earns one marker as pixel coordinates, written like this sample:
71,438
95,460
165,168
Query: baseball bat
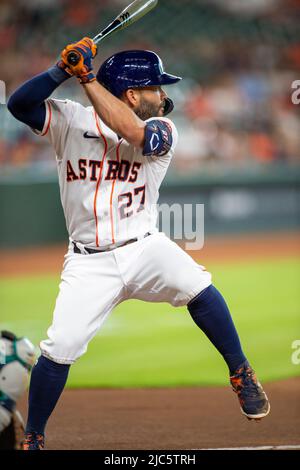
128,16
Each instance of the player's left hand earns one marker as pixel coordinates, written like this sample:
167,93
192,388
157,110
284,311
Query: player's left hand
86,49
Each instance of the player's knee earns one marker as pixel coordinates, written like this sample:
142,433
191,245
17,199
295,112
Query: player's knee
205,301
198,277
185,284
64,349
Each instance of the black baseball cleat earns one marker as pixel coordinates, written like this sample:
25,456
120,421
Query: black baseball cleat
253,400
33,441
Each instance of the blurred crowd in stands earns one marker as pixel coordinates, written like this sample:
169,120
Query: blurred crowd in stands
238,60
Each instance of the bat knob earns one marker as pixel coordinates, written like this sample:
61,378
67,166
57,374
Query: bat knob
73,58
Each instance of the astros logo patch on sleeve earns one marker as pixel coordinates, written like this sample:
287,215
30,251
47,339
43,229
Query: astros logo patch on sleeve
158,138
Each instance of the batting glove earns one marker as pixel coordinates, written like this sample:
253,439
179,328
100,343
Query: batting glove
84,52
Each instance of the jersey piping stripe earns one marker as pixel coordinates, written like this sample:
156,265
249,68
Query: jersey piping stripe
99,177
49,119
111,198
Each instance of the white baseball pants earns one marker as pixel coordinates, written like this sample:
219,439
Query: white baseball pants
153,269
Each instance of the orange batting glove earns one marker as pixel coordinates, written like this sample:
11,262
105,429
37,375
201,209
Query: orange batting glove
76,59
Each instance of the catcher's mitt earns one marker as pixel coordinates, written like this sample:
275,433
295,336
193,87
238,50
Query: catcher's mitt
11,438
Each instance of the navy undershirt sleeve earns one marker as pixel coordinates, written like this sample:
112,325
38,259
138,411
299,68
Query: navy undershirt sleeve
27,103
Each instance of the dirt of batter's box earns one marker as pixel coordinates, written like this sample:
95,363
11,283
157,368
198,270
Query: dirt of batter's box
171,418
227,249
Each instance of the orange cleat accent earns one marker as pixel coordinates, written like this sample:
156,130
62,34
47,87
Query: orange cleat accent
253,400
33,441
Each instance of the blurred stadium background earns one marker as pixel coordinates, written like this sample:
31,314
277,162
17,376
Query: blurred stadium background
238,153
239,148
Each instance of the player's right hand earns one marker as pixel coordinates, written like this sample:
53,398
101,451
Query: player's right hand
85,50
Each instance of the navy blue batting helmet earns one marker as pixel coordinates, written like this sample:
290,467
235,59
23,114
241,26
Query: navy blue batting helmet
133,69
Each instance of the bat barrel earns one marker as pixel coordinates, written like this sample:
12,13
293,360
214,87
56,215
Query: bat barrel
129,15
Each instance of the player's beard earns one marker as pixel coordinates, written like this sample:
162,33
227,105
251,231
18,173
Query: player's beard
147,110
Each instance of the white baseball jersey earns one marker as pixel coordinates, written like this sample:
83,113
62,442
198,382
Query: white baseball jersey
108,188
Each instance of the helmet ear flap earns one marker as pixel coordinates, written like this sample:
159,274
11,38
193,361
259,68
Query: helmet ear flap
169,106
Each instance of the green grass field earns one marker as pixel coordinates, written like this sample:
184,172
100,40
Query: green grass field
144,344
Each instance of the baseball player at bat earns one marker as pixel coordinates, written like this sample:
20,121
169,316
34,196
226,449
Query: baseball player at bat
112,157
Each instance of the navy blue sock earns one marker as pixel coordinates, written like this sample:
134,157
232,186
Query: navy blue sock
46,385
210,312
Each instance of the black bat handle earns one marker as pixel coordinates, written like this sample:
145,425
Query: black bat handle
73,58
